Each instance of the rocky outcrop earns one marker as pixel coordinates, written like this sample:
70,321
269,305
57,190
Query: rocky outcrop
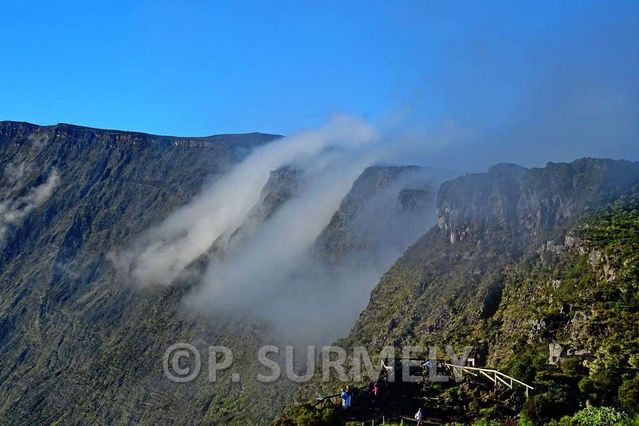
523,262
69,321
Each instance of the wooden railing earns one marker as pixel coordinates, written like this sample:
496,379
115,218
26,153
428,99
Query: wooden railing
494,376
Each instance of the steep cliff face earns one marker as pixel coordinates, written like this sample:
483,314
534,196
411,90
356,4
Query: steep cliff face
77,343
523,205
563,320
282,185
452,277
70,196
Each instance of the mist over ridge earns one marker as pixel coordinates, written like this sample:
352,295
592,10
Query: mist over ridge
278,267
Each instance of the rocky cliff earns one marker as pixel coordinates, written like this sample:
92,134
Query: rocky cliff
452,276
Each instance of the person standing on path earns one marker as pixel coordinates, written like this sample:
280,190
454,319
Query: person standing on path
344,395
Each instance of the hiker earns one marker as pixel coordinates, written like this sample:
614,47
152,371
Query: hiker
419,417
375,391
345,401
349,397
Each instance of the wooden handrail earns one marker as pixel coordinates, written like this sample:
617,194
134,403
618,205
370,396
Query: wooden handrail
496,375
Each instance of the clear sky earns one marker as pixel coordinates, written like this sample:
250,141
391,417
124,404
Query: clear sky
205,67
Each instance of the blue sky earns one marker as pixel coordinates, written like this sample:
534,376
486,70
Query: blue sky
483,69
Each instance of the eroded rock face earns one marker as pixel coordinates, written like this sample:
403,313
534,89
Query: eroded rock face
470,205
507,271
522,204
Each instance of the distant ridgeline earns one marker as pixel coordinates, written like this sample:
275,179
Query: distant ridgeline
537,270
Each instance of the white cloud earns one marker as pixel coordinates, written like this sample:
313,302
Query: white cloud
160,255
13,210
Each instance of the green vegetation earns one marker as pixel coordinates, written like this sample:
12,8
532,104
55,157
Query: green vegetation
79,346
592,416
598,416
510,283
629,394
602,298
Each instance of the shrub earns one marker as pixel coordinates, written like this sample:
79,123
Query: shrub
488,413
630,421
599,416
572,366
604,386
629,395
587,386
524,366
564,421
541,408
525,421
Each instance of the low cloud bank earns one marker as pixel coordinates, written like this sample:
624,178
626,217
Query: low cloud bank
159,256
274,272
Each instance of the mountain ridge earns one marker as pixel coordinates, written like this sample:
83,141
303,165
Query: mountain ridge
504,222
8,125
